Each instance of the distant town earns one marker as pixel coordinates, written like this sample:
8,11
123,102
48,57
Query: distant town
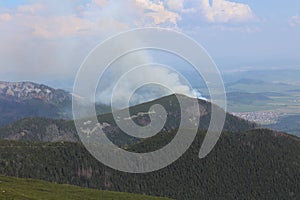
261,117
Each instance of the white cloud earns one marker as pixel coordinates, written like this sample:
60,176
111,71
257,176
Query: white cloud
223,11
104,16
157,12
179,6
48,25
294,21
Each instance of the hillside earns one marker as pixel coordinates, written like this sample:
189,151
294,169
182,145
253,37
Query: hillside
53,130
20,189
256,164
40,129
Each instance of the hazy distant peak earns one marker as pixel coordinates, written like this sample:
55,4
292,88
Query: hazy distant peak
20,91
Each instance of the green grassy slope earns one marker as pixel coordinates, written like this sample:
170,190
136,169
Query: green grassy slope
21,189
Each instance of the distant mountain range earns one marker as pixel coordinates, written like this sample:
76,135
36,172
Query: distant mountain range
27,99
22,91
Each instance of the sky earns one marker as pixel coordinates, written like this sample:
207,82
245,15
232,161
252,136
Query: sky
46,41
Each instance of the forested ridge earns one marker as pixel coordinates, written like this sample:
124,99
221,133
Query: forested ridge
256,164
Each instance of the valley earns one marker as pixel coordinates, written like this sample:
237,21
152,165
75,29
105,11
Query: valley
266,97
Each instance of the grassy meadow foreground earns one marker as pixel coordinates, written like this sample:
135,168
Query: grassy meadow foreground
21,189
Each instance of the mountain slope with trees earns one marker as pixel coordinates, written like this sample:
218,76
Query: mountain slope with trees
53,130
257,164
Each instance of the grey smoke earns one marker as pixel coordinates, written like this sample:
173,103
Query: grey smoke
170,81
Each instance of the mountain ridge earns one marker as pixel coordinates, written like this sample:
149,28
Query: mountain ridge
28,99
50,130
20,91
